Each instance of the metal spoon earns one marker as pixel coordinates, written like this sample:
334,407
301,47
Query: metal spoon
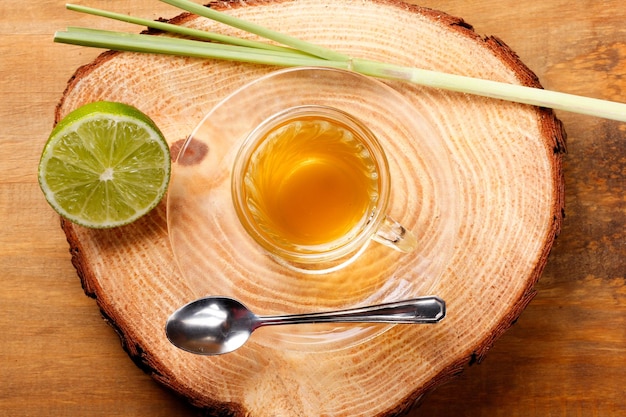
217,325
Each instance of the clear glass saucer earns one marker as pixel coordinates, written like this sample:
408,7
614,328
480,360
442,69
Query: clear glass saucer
217,257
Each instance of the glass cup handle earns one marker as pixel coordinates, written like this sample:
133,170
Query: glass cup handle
393,234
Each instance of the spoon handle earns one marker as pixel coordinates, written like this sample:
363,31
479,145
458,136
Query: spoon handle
428,309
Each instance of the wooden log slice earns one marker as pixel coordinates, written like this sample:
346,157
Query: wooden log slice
506,160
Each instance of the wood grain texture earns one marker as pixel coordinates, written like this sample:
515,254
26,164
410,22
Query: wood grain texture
565,355
507,189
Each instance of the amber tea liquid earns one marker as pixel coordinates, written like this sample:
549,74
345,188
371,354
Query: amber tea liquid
311,181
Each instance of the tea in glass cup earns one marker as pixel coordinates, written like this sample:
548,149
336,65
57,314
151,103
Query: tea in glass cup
310,185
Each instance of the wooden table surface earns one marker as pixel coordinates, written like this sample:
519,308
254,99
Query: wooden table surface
566,356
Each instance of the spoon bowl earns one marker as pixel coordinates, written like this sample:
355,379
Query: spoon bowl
218,325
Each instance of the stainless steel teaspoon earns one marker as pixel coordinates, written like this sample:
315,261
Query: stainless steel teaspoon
217,325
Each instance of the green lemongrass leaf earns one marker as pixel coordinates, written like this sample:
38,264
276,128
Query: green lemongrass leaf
486,88
327,58
185,47
178,29
264,32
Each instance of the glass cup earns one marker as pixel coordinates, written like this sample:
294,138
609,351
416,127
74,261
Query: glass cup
311,185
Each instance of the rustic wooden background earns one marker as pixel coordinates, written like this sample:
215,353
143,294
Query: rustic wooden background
566,355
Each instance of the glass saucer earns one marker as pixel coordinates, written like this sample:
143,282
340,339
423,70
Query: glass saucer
217,257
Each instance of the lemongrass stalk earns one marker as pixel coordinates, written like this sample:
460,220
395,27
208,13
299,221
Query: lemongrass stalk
264,32
186,47
494,89
328,58
178,29
487,88
165,41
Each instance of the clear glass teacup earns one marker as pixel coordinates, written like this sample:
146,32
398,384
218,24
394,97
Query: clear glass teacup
311,185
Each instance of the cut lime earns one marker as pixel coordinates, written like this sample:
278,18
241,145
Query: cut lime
105,165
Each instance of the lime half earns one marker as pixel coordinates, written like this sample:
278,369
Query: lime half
105,165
